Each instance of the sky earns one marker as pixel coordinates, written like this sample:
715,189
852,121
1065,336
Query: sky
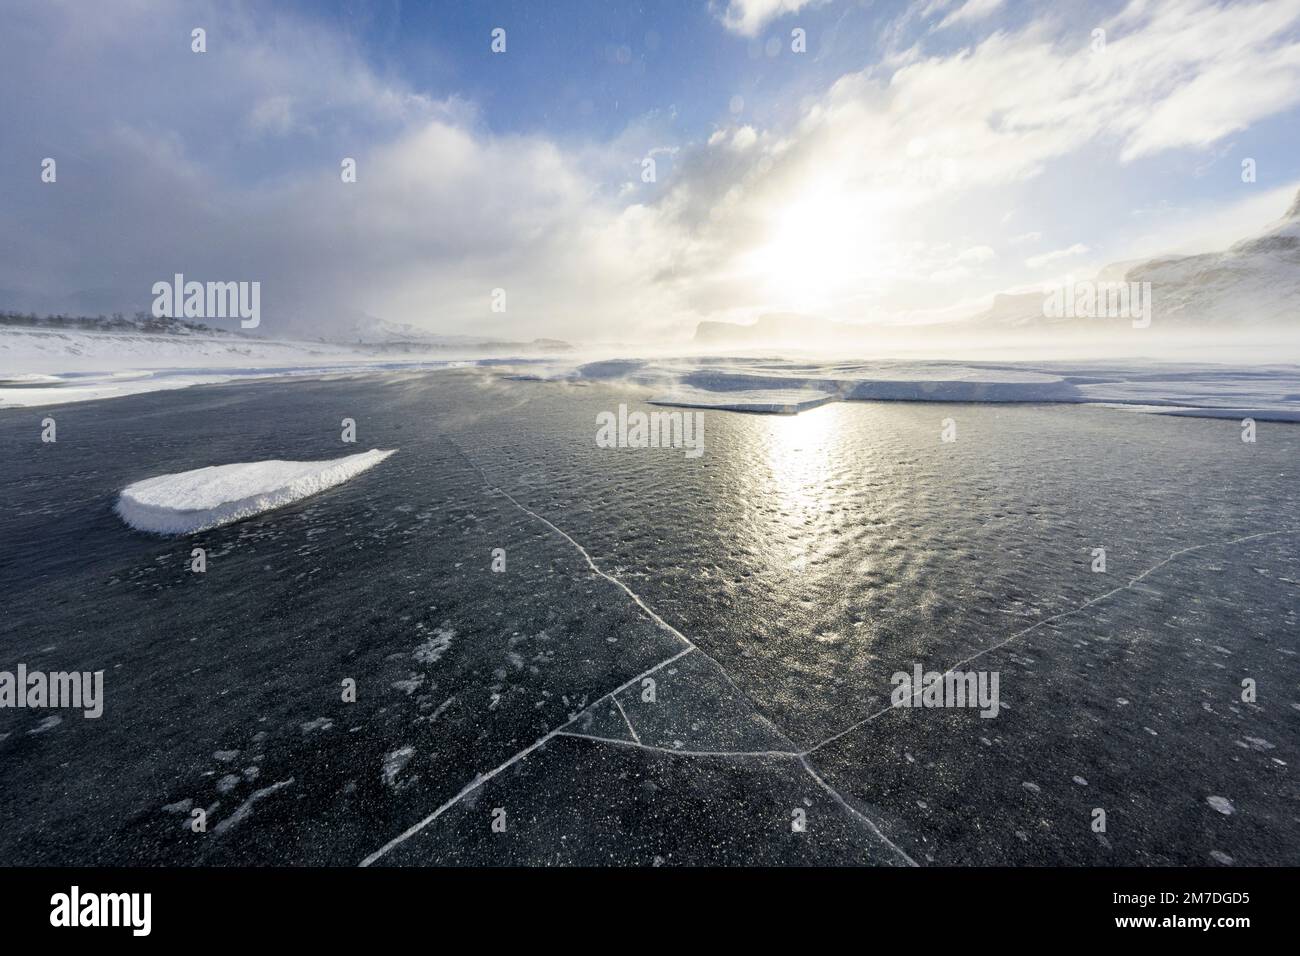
911,160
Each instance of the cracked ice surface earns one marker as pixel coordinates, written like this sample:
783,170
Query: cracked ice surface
769,588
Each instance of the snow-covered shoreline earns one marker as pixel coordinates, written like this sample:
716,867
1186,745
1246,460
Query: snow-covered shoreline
44,366
90,367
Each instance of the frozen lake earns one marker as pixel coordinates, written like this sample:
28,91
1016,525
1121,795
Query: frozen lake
769,588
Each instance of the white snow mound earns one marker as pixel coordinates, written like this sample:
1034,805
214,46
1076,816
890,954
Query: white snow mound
204,498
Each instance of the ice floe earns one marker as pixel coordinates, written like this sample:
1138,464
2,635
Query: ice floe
781,386
204,498
779,401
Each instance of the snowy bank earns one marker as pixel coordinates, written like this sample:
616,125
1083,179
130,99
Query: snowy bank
204,498
43,367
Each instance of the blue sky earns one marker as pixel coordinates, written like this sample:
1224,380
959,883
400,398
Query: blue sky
917,159
586,69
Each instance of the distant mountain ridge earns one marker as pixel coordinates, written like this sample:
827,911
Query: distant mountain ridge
372,335
401,336
140,322
1254,283
772,329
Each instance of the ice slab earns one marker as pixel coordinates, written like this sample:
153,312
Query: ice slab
203,498
774,401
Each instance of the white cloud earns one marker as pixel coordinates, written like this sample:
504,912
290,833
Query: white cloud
969,12
748,17
1037,262
1208,70
744,138
273,113
976,254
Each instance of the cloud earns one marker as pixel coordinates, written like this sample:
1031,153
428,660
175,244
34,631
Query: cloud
1209,70
969,12
157,178
273,113
1037,262
976,254
748,17
881,195
837,213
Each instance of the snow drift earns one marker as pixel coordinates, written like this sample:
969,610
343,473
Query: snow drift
204,498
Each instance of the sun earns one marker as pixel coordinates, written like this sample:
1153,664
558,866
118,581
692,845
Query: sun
818,248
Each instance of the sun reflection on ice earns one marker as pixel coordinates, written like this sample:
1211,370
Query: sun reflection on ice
799,452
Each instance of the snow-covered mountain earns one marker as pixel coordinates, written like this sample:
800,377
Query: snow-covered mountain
1252,285
1256,282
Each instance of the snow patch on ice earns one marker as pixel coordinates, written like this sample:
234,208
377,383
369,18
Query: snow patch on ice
431,651
1222,804
245,809
395,763
49,723
204,498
